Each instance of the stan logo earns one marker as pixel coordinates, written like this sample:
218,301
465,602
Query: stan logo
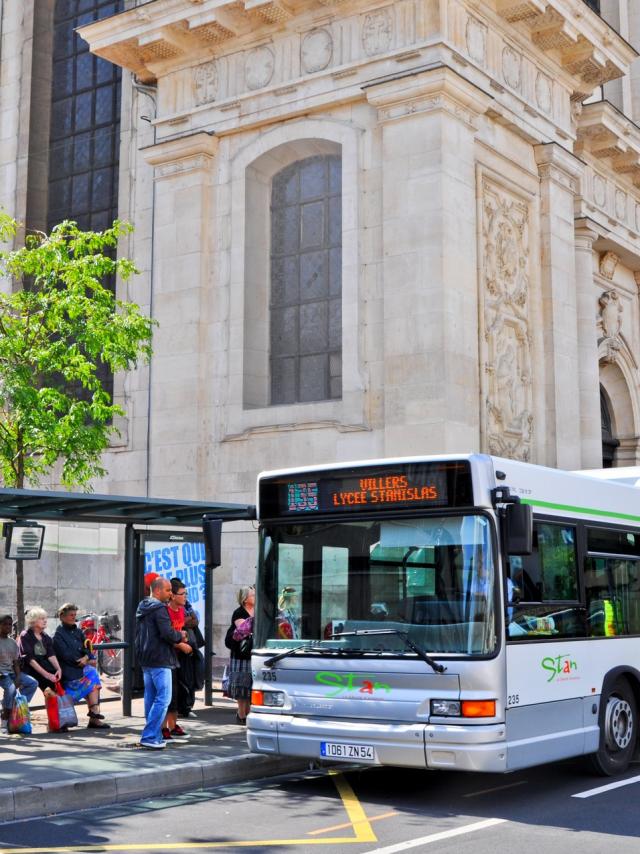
560,669
341,682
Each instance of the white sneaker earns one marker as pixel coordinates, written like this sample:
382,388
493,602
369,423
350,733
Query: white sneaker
152,745
192,715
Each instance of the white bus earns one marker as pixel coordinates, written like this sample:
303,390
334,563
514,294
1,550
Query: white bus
463,612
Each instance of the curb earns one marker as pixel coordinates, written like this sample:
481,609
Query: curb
108,789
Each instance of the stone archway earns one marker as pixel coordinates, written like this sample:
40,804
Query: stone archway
621,443
609,441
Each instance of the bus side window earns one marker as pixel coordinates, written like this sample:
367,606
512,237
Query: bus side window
545,581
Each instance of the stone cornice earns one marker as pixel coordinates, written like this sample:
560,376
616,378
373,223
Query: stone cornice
162,35
611,139
580,41
182,154
429,89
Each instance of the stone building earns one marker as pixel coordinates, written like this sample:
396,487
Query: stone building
366,229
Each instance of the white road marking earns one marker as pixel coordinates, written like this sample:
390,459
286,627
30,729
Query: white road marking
590,792
438,837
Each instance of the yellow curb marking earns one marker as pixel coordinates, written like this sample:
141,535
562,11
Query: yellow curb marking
346,824
357,819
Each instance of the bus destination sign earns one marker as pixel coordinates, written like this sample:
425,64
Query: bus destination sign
368,489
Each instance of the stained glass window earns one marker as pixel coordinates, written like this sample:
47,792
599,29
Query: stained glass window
84,137
306,286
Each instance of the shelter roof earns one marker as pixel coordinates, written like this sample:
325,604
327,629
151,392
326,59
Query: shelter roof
114,509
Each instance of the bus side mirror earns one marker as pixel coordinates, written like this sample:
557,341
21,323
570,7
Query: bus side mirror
212,530
519,529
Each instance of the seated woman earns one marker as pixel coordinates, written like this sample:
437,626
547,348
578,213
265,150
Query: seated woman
37,655
79,676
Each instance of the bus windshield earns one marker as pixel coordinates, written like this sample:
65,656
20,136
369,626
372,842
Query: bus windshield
430,578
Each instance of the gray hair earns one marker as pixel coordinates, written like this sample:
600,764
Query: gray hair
244,593
66,608
33,615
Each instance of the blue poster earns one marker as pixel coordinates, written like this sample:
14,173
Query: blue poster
183,560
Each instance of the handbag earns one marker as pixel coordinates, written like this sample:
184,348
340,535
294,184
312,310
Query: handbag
225,681
61,713
19,718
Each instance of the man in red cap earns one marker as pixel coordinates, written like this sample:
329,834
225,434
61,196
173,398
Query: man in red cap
149,578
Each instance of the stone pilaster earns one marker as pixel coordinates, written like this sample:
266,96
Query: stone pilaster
559,173
181,301
431,391
588,375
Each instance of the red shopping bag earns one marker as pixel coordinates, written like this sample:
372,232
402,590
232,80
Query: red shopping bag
60,711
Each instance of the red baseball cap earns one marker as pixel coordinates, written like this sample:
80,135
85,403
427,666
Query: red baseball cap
149,578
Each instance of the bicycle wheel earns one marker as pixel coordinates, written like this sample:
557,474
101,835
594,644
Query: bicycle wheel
110,660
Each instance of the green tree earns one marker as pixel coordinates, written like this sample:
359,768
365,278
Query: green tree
58,324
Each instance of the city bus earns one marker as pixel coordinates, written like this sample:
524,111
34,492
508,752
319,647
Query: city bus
463,612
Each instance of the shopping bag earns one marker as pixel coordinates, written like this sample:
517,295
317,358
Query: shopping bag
61,713
225,682
19,719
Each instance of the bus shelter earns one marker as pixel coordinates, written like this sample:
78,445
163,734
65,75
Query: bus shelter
18,505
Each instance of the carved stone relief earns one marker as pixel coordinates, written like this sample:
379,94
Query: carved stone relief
621,204
507,381
476,37
511,67
609,323
316,50
608,264
205,79
377,31
543,92
599,191
258,66
637,217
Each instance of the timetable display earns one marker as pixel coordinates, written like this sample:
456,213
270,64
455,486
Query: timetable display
404,486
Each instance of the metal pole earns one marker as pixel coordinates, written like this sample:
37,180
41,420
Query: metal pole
129,619
208,636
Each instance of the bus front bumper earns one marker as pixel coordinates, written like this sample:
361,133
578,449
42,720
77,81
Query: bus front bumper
411,745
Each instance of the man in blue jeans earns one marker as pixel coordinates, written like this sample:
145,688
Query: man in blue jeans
155,639
11,677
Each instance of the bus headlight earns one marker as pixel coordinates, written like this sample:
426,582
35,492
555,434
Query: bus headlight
267,698
445,708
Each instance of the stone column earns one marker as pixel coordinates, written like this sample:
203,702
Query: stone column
430,339
181,303
559,172
588,373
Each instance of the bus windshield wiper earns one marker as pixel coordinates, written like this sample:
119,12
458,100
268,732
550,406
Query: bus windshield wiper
404,636
269,662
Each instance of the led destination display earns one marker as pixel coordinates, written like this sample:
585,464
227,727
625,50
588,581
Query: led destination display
367,489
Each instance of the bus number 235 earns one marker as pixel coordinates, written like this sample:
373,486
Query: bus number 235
513,700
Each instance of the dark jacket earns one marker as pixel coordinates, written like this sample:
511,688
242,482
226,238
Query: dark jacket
68,642
155,636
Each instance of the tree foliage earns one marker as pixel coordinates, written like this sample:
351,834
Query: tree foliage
58,323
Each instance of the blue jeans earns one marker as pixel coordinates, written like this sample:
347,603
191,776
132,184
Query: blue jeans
28,687
157,696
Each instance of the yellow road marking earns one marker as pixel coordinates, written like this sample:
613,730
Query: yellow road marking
357,819
361,827
346,824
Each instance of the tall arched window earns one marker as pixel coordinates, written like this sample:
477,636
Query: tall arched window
306,281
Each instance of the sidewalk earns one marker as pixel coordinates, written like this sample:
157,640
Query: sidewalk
46,773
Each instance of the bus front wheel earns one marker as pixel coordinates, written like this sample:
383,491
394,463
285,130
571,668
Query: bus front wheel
618,731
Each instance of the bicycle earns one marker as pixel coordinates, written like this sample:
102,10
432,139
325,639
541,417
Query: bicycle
102,629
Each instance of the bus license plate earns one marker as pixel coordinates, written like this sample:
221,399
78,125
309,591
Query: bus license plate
340,750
